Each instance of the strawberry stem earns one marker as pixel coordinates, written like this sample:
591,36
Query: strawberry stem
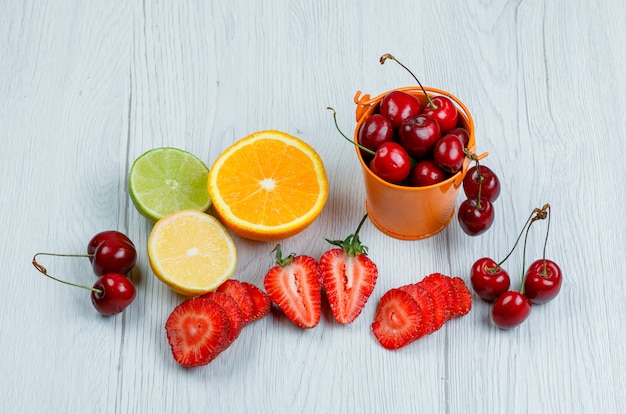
44,271
280,261
352,245
369,151
386,56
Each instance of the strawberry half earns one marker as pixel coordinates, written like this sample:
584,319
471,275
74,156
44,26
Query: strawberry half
261,301
398,319
348,277
197,331
232,309
294,285
239,292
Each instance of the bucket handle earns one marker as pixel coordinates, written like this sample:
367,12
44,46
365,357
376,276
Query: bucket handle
466,165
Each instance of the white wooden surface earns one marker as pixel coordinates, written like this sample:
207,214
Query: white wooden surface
87,86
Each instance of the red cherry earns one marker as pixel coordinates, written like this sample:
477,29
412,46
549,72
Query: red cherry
418,135
398,106
445,112
489,280
426,173
391,162
113,293
102,236
448,153
375,131
114,256
463,135
476,218
490,187
542,281
510,309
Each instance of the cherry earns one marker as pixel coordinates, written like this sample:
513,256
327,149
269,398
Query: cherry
448,153
463,135
397,106
483,179
418,135
542,281
488,279
112,293
476,216
113,256
443,110
426,173
510,309
102,236
391,162
375,131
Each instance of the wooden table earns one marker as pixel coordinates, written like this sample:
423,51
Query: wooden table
88,86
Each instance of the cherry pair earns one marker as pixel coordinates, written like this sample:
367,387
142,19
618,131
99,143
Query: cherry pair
541,282
112,255
482,187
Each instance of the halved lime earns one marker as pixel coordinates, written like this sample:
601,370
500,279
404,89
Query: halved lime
166,180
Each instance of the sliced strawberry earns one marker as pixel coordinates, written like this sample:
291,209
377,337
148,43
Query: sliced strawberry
197,331
261,301
239,292
235,316
294,285
438,300
420,295
464,295
449,293
398,319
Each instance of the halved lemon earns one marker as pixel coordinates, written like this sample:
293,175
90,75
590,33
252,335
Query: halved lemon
191,252
268,186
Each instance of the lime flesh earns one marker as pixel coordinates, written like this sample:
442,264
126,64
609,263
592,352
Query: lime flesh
163,181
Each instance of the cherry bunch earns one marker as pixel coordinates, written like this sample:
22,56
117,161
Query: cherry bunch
482,187
112,255
405,143
540,283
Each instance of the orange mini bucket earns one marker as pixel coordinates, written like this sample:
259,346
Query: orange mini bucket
411,213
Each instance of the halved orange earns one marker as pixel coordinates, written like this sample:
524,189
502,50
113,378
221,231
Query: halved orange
268,186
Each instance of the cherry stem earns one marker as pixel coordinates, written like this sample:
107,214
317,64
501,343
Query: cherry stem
44,271
539,214
348,139
386,56
481,178
545,242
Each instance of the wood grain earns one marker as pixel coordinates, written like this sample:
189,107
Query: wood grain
86,87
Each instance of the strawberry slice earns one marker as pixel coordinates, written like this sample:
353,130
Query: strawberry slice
197,331
230,306
239,292
261,301
420,295
464,295
439,302
398,319
449,293
348,277
294,285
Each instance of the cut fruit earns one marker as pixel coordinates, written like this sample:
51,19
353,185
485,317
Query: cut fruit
191,252
268,186
163,181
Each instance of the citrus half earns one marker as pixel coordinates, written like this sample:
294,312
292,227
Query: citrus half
268,186
163,181
191,252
